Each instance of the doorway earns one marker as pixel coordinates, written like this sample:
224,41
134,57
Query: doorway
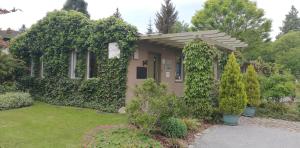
154,66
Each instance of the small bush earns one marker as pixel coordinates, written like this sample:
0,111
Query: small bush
191,124
174,128
15,100
152,104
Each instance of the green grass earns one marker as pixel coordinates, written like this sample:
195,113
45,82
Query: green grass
124,138
48,126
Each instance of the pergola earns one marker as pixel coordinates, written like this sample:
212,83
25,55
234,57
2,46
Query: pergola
178,40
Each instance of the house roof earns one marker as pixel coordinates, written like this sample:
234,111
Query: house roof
213,37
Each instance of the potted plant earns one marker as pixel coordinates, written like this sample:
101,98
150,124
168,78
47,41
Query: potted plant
252,90
233,98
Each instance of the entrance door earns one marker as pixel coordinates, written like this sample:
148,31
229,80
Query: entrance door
154,62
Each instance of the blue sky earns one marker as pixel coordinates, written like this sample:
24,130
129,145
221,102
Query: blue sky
136,12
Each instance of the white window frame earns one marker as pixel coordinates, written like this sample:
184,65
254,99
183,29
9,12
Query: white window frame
32,68
88,65
73,61
42,66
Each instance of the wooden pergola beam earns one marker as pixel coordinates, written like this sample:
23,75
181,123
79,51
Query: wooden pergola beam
178,40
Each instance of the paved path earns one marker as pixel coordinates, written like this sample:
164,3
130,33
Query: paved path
251,133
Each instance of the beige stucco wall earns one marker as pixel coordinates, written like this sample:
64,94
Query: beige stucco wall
167,54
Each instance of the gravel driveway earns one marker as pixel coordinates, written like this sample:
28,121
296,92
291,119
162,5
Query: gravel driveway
251,133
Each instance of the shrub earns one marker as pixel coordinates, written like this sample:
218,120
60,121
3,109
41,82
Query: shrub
274,107
8,87
198,78
252,86
233,98
279,111
15,100
152,104
277,86
173,128
191,124
124,138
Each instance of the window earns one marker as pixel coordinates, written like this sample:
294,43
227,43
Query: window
179,68
91,65
72,69
42,67
141,73
31,68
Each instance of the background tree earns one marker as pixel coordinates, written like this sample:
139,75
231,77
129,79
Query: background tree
77,5
5,11
291,22
233,98
239,18
252,86
22,29
117,14
8,65
149,27
285,51
180,27
166,18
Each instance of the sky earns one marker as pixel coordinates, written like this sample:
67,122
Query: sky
135,12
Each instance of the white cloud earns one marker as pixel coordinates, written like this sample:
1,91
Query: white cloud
136,12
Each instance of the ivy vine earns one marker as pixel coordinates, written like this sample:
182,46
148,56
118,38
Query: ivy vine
58,34
198,63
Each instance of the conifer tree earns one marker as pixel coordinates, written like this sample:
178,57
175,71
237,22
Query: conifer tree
233,98
149,28
22,29
291,22
166,18
117,14
252,86
77,5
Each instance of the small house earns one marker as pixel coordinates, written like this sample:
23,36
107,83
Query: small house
159,56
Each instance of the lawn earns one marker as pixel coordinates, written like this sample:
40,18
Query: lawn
43,125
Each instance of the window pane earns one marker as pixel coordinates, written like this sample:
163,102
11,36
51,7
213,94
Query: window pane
179,70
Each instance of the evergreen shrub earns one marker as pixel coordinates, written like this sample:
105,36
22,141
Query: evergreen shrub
233,98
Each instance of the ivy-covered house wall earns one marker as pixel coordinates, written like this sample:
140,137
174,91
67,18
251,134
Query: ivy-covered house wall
47,48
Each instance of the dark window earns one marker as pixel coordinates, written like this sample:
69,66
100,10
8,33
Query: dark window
92,65
141,73
179,68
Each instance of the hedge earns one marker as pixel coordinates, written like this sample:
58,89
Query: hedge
15,100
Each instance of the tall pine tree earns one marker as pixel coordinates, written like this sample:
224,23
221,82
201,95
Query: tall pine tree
149,28
166,18
291,22
77,5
